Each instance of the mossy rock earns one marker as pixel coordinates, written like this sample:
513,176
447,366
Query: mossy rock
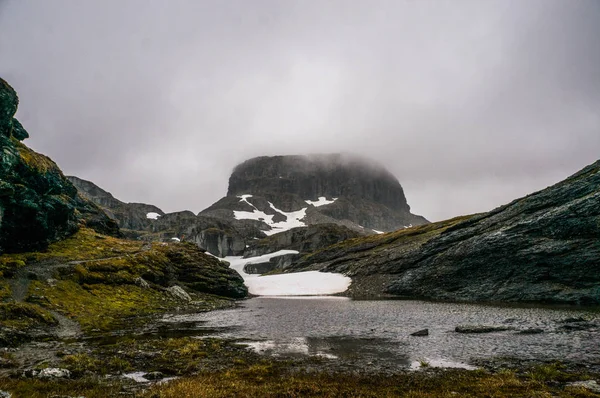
38,205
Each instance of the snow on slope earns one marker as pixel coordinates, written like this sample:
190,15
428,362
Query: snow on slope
293,219
322,201
295,284
152,215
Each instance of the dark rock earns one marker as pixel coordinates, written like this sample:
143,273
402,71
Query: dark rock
132,216
540,248
303,239
38,205
480,329
531,331
578,326
424,332
19,131
9,101
154,376
573,320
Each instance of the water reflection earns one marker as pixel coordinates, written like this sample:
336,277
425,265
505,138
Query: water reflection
377,333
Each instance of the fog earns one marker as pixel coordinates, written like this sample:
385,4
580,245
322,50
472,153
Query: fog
470,104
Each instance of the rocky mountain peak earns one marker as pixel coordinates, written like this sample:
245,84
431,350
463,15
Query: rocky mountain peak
320,175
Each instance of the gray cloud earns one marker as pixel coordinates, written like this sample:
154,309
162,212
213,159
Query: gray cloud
470,103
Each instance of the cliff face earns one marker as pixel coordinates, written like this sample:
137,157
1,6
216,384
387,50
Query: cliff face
129,216
354,192
544,248
311,177
38,205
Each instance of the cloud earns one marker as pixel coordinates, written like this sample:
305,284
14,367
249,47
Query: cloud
470,104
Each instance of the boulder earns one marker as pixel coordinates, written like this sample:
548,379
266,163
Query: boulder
423,332
179,293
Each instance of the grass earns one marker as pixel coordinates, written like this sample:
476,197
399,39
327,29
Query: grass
272,381
406,239
34,160
101,307
24,315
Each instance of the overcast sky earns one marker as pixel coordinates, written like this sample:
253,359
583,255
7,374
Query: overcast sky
469,103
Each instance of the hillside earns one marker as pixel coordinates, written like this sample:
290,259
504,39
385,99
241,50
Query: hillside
544,247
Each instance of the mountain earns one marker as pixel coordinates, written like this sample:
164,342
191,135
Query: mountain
337,196
335,188
129,216
544,247
64,269
38,205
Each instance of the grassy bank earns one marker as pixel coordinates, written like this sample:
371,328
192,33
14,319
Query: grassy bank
273,379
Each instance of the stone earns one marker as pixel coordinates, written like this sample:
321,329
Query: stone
154,376
19,131
179,293
9,101
590,385
423,332
139,281
48,373
531,331
480,329
5,394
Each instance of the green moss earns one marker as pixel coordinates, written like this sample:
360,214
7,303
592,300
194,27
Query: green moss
101,307
34,160
24,315
407,236
5,291
34,388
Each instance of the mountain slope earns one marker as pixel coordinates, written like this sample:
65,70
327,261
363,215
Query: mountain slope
131,216
342,188
544,247
38,205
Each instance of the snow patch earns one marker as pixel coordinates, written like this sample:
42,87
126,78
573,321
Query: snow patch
152,215
176,239
309,283
322,201
378,232
293,219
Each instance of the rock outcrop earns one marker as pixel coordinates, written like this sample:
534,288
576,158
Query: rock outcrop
368,194
541,248
270,204
129,216
38,205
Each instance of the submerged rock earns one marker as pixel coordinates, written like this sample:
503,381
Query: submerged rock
531,331
480,329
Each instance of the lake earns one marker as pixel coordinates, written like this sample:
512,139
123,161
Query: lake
376,333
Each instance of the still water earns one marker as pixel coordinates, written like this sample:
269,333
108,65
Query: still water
376,334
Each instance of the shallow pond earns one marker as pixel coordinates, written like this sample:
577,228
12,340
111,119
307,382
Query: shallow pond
377,333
